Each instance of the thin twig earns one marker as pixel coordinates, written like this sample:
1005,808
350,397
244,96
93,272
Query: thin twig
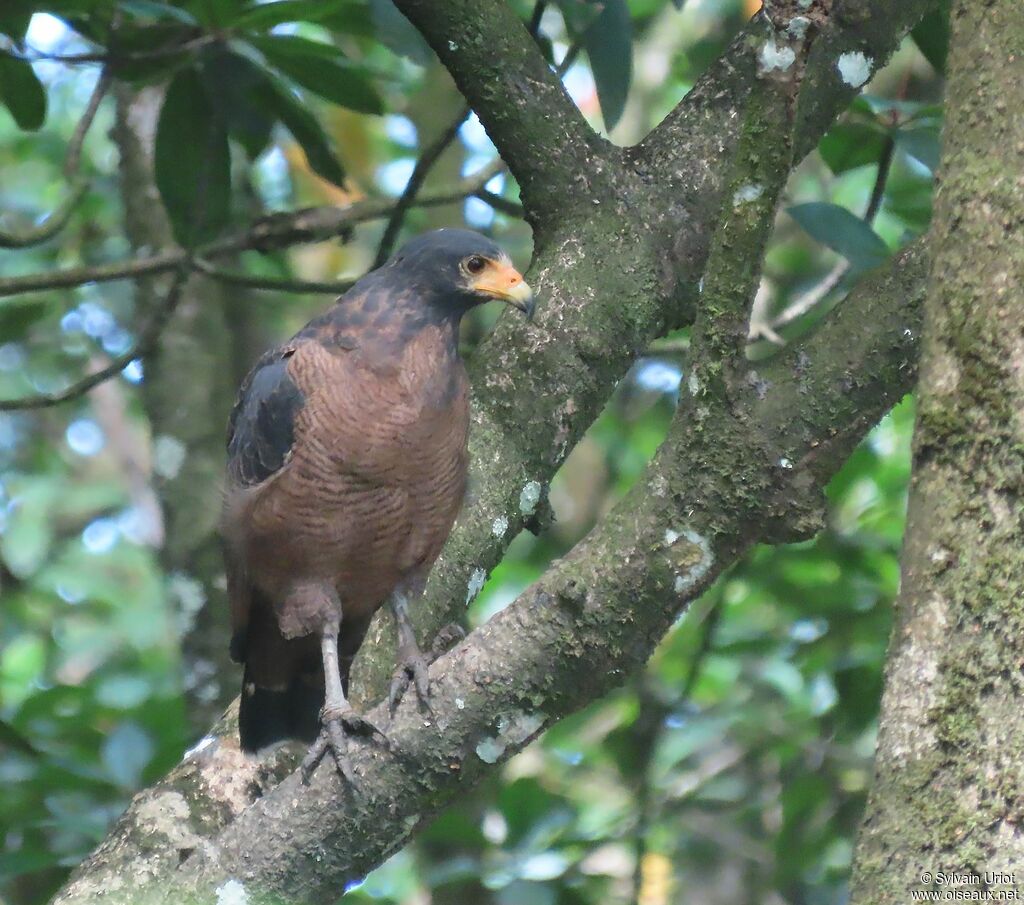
148,336
433,153
536,16
57,219
274,284
130,56
315,224
54,222
505,205
74,152
423,166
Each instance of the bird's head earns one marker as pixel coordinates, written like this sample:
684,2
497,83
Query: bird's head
460,268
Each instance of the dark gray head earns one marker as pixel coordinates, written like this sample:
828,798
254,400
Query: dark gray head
457,269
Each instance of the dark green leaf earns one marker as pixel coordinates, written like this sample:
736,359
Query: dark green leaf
152,9
931,35
851,145
843,232
305,128
15,24
236,86
22,92
322,69
396,32
921,144
192,161
134,44
609,45
348,18
17,315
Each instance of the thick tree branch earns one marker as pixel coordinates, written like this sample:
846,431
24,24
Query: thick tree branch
683,154
538,130
569,638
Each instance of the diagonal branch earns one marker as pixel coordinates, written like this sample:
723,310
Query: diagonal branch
579,631
607,288
534,124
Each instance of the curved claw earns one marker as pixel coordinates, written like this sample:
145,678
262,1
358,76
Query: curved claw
413,668
335,729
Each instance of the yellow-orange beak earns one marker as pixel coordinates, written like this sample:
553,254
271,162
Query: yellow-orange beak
503,281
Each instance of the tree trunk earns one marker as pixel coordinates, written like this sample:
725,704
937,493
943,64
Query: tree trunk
947,797
187,393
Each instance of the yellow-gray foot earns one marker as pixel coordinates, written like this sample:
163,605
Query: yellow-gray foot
336,727
414,667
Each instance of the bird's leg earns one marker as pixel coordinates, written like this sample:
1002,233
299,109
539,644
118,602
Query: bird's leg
412,664
337,718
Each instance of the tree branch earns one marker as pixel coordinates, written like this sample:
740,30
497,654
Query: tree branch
538,130
271,284
576,633
59,217
682,154
607,289
424,164
315,224
148,336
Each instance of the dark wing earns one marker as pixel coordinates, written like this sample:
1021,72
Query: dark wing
261,428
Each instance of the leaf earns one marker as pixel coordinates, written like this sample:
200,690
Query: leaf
235,86
322,69
192,161
305,128
133,41
931,35
843,232
921,144
851,145
348,18
22,92
15,24
397,33
18,315
609,45
152,9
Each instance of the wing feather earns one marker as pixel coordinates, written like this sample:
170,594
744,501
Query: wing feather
261,429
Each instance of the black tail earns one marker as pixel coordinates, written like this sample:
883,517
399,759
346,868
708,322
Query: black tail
266,716
282,685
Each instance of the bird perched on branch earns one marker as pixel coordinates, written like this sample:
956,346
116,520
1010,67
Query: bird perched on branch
346,468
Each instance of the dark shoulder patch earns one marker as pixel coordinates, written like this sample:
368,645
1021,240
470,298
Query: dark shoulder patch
261,429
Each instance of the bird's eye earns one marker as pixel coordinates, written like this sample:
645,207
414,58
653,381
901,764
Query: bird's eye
475,264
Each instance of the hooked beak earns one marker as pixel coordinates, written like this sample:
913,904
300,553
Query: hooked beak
506,283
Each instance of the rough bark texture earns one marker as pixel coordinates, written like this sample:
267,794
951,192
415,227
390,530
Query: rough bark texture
947,804
615,264
189,388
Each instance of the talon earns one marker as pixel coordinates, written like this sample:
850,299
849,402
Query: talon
446,639
413,668
335,728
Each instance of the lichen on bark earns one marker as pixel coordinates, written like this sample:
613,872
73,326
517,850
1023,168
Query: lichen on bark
950,762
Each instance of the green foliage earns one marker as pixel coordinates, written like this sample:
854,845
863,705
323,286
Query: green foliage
22,92
192,163
841,231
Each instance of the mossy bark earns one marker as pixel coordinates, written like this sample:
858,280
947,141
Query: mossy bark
948,797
